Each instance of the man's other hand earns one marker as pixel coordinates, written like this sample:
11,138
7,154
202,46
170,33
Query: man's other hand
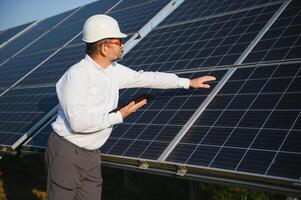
131,107
200,82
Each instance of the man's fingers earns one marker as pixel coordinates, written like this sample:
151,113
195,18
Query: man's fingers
205,86
208,78
139,104
135,106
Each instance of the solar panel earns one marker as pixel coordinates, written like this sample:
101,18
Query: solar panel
20,110
282,40
191,9
132,18
70,27
47,44
214,41
30,36
38,142
51,71
147,133
7,34
19,66
251,126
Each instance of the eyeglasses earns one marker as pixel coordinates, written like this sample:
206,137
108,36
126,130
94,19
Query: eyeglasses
117,41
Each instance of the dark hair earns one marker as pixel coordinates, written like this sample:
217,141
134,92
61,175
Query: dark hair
91,48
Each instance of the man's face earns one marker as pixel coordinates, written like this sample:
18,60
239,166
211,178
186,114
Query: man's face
115,49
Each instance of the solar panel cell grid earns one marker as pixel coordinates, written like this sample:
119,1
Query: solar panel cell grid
21,109
191,9
247,129
132,18
16,68
210,42
31,35
53,69
282,40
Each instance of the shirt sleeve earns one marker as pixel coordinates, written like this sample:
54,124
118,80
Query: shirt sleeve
72,90
129,78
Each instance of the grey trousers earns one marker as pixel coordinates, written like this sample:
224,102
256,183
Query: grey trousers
72,173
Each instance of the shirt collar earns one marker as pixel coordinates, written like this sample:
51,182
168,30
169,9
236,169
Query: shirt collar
97,66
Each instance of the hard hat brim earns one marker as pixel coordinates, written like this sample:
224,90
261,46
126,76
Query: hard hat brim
119,35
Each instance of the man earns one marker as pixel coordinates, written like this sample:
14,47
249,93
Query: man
87,93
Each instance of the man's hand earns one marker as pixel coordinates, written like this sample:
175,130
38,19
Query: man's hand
200,82
131,107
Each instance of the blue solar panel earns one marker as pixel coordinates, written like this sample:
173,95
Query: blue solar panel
192,9
16,68
214,41
283,40
70,27
132,18
38,142
20,110
251,126
7,34
30,36
51,71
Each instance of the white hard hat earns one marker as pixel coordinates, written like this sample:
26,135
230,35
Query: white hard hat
99,27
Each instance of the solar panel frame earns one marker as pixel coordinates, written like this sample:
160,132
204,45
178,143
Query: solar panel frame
9,33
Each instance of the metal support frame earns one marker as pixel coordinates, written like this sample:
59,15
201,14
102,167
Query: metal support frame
19,34
154,22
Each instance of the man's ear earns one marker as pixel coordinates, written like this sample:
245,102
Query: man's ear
102,49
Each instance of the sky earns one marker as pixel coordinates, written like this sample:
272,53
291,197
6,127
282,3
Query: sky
17,12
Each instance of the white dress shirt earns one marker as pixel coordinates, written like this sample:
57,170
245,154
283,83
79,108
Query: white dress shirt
87,93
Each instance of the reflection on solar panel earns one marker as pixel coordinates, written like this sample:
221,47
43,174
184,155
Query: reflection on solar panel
214,41
19,66
283,40
54,68
70,27
20,110
252,125
191,9
30,36
148,132
7,34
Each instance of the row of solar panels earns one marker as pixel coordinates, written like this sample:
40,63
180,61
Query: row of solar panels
247,124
